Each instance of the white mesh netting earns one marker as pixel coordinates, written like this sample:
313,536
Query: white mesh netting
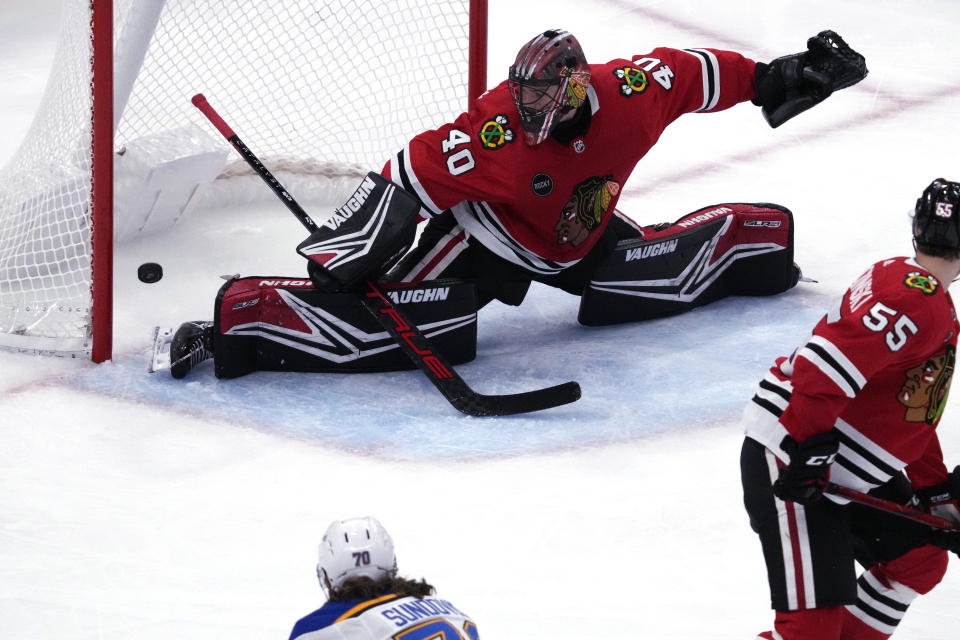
320,89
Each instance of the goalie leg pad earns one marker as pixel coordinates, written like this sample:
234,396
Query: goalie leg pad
285,324
727,249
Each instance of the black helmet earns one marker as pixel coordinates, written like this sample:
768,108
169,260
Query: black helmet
936,220
550,76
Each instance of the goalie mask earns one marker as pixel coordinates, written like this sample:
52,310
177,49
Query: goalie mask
548,79
355,548
936,220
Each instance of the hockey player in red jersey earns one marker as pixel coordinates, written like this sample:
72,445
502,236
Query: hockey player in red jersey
367,600
525,185
858,404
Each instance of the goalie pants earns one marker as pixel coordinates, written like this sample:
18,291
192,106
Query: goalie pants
810,553
445,251
632,272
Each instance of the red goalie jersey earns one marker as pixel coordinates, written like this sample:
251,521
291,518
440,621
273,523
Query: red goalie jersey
543,207
878,368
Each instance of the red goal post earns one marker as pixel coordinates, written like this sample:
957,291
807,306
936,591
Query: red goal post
116,150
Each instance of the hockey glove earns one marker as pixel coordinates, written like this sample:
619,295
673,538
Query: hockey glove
942,499
805,478
363,238
792,84
949,540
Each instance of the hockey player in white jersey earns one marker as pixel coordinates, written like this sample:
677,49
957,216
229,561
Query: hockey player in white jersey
367,600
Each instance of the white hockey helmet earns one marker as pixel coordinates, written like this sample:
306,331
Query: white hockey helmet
358,547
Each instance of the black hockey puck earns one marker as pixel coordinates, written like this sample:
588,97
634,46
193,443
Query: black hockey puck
150,272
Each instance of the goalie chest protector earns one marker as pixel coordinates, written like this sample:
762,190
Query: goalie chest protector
285,324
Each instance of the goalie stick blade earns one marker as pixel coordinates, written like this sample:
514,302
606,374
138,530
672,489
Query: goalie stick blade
160,358
445,378
468,401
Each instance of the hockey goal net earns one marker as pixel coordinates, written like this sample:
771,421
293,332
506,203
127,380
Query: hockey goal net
328,89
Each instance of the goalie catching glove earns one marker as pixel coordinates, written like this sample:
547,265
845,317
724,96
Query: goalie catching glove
792,84
363,238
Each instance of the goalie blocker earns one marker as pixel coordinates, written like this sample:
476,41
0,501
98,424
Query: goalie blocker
714,252
285,324
363,238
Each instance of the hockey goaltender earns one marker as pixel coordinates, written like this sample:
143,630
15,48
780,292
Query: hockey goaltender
521,188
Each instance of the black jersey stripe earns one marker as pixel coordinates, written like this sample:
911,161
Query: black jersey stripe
780,391
876,615
402,171
769,406
480,215
857,470
879,597
829,360
708,71
867,455
494,223
408,185
530,260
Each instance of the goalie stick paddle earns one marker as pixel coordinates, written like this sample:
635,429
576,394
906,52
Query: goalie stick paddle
891,507
410,339
443,376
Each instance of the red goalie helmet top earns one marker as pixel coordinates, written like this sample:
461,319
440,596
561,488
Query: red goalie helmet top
549,77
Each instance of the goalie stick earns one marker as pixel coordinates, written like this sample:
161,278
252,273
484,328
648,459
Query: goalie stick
410,339
892,507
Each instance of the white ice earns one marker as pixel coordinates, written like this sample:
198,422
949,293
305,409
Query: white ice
138,506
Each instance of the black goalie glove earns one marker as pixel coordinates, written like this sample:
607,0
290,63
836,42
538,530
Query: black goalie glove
805,478
949,540
792,84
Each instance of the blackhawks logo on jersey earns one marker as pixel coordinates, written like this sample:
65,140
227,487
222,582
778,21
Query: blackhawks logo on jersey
584,211
924,392
634,80
494,132
927,284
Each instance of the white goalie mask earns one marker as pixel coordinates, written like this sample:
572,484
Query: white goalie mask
358,547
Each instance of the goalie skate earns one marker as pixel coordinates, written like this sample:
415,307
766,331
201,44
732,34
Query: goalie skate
191,345
160,359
